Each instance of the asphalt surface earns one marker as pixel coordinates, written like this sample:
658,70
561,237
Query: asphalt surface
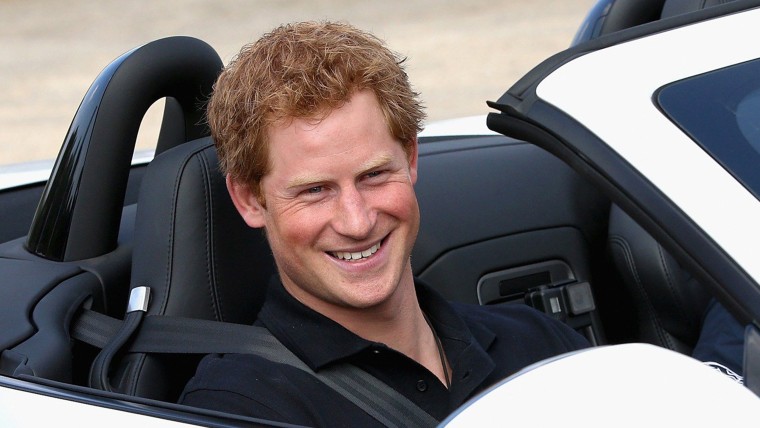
460,53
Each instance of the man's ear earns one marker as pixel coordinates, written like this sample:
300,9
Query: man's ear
413,161
247,203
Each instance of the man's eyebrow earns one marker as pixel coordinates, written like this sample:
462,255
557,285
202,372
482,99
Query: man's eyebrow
382,160
307,179
304,180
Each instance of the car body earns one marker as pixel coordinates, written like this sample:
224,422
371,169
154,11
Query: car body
632,119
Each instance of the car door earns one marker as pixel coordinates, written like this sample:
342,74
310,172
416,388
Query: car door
642,114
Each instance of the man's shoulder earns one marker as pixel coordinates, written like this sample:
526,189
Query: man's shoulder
249,376
251,385
503,313
234,371
521,322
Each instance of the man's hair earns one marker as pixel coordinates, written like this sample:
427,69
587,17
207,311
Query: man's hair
303,70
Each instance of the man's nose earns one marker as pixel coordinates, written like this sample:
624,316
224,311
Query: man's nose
353,218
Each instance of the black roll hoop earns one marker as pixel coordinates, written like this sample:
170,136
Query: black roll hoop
80,209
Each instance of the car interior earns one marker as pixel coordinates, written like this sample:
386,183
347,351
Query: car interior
503,222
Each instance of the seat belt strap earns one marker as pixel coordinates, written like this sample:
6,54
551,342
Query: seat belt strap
177,335
138,306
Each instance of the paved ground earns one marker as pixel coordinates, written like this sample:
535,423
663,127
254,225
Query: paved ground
460,53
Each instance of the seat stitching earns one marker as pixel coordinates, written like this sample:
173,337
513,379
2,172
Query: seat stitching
210,258
672,289
649,311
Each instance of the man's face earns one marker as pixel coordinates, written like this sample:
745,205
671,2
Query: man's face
341,215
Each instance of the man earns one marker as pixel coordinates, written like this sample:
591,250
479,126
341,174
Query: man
721,342
316,128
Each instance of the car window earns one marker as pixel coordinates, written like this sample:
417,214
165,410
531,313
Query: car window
720,110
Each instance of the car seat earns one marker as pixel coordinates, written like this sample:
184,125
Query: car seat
610,16
198,257
679,7
668,302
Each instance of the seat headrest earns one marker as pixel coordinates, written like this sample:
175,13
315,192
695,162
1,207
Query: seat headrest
192,248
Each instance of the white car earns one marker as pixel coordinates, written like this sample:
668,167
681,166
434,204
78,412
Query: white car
616,187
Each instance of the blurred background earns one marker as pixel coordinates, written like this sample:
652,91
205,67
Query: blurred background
460,53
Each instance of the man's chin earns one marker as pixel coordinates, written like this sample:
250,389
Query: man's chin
366,296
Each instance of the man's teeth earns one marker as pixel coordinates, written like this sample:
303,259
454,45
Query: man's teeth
344,255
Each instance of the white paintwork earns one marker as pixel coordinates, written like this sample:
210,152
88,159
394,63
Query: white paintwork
25,409
24,173
38,171
610,92
632,385
469,125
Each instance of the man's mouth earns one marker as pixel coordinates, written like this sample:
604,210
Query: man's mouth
354,256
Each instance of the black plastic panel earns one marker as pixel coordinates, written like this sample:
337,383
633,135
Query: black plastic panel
457,273
493,203
25,283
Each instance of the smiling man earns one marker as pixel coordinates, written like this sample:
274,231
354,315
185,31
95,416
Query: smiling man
316,129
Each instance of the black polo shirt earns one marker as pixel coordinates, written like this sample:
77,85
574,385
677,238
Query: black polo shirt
483,345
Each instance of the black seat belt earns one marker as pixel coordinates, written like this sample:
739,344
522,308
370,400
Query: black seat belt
176,335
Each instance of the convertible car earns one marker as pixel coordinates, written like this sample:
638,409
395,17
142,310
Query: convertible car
616,187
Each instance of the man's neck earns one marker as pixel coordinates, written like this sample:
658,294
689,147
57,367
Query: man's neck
402,326
398,322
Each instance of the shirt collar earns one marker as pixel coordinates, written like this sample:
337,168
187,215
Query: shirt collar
314,338
465,345
446,322
319,341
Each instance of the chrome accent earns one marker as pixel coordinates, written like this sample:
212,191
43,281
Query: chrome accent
139,298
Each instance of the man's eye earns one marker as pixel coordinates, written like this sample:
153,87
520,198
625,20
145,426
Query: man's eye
313,190
373,174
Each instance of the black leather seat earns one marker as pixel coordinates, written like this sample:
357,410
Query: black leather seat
668,302
679,7
196,254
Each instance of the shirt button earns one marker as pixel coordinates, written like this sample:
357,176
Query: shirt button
421,385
